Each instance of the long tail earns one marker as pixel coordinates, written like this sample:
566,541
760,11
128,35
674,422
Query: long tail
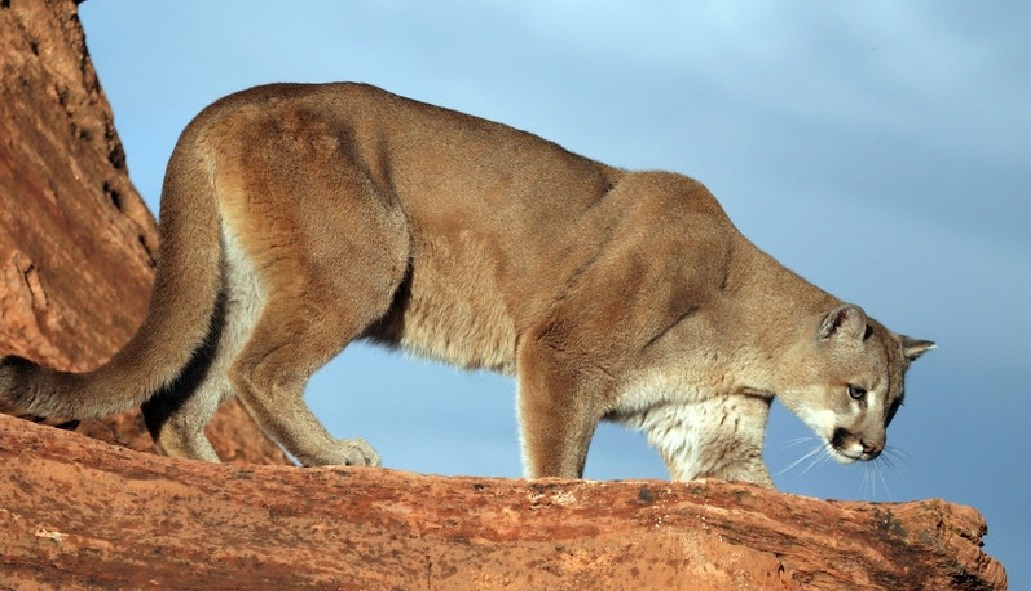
186,286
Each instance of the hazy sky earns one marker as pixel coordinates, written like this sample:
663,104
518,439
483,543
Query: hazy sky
879,148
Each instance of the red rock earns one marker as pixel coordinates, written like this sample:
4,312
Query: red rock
77,244
80,514
74,235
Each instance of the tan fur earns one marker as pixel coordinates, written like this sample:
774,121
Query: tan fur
296,219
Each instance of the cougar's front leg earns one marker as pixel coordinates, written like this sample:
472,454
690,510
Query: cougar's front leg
559,406
718,438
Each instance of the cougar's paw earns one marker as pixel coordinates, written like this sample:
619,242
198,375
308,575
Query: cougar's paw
356,452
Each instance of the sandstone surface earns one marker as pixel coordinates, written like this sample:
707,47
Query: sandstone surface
81,514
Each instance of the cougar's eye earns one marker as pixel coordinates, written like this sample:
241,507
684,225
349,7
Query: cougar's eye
856,392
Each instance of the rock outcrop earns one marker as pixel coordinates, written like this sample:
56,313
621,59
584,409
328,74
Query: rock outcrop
77,251
79,514
77,244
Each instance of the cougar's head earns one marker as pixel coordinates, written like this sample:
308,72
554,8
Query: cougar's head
845,380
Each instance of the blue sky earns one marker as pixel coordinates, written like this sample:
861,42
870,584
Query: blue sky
879,148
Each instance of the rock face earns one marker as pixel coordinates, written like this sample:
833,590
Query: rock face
77,244
79,514
77,251
76,237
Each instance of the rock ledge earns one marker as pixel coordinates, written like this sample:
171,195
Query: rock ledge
81,514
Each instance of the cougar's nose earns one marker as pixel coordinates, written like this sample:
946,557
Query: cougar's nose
871,449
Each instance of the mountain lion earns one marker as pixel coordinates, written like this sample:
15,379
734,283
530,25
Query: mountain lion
298,218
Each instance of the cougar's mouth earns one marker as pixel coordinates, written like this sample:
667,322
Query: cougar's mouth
848,447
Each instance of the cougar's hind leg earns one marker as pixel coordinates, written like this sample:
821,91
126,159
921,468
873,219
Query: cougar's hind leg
294,338
176,416
305,322
329,253
176,421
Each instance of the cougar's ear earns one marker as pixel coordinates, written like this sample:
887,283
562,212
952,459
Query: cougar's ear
913,348
844,322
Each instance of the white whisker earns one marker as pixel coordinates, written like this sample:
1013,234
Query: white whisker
896,453
889,462
893,455
798,441
862,484
880,473
823,456
800,460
